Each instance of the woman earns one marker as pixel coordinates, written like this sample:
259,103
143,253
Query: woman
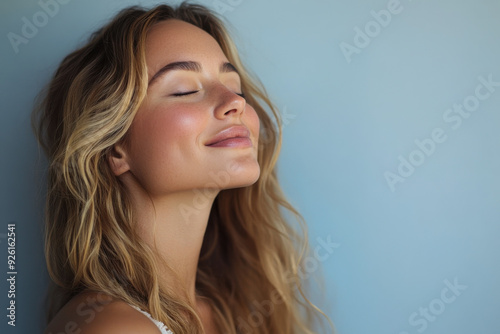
163,202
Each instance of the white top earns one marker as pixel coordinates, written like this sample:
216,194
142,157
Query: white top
163,329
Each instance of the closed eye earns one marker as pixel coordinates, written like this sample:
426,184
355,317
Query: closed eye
185,93
196,91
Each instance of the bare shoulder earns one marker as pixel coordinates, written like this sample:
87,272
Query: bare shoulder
98,313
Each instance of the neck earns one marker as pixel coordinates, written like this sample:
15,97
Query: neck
174,225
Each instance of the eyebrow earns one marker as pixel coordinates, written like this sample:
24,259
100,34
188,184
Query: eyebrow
193,66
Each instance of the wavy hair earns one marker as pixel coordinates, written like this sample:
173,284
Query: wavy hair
251,255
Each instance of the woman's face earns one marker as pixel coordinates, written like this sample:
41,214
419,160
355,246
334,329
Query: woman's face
193,130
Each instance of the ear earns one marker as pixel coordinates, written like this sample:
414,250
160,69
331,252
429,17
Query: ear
118,160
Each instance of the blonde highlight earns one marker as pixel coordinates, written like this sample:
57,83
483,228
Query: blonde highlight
248,255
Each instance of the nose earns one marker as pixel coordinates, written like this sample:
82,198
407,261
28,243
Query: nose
229,104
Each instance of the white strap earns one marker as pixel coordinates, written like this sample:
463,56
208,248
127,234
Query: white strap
163,329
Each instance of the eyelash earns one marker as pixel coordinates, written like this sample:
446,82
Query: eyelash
196,91
186,93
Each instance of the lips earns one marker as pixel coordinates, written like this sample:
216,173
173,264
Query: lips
234,136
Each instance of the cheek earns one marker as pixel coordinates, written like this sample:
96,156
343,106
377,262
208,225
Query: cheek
166,127
161,136
179,122
165,146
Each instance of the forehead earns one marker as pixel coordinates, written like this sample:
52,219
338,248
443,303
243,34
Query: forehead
175,40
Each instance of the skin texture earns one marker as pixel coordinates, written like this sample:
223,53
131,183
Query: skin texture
171,175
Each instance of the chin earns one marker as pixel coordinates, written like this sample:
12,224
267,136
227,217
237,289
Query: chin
244,177
253,178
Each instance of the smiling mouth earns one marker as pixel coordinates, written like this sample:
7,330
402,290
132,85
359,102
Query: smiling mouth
235,136
233,142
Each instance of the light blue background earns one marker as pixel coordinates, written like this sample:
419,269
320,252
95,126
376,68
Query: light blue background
346,124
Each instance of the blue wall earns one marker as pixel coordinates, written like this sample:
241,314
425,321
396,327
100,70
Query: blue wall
391,149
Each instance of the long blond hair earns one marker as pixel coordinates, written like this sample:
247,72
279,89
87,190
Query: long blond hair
250,254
